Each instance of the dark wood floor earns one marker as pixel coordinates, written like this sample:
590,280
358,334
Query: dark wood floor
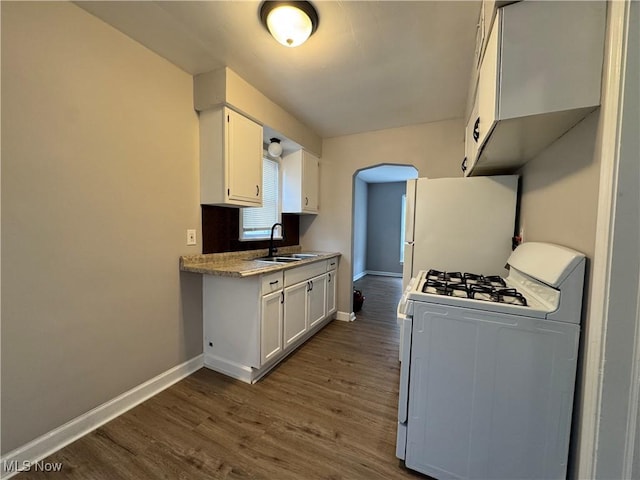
327,412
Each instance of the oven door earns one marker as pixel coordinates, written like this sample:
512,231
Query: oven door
401,317
490,394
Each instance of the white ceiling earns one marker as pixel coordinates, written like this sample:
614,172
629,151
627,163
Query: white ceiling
371,64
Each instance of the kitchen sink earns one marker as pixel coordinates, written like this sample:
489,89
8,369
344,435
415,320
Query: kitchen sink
287,257
279,259
303,255
299,256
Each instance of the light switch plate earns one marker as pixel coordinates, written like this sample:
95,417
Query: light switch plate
191,236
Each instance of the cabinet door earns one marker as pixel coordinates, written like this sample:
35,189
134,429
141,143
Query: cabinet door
471,137
300,183
555,51
244,158
331,292
488,87
480,33
310,179
295,312
271,323
317,299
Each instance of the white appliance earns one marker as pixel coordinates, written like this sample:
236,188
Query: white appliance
454,224
459,223
487,378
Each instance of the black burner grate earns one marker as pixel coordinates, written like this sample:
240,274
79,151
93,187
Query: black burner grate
491,288
495,281
510,296
449,277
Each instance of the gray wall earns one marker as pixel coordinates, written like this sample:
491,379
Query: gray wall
560,190
384,217
360,195
99,184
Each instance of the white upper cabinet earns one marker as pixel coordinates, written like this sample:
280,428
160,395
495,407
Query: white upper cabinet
230,159
300,183
471,138
488,11
540,75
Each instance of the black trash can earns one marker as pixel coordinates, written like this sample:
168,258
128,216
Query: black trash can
358,300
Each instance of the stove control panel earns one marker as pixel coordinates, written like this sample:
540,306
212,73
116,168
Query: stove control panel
547,295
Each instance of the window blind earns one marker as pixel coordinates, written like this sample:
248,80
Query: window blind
257,221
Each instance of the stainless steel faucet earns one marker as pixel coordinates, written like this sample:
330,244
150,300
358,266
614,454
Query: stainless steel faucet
272,249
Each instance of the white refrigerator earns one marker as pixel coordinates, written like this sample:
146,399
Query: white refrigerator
459,224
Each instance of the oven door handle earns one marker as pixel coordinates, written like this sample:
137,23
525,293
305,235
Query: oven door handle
403,397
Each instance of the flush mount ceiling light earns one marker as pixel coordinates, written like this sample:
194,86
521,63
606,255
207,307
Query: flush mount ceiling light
275,149
290,23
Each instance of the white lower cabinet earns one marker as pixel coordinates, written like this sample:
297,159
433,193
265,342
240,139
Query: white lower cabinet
252,323
271,326
295,312
317,300
332,284
304,307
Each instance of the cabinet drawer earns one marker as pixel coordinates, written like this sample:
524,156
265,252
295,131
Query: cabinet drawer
272,282
300,274
332,264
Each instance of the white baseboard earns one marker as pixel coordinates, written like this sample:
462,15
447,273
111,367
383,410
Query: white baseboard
345,316
383,274
23,457
376,272
227,367
359,276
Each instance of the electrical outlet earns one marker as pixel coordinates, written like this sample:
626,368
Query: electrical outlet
191,236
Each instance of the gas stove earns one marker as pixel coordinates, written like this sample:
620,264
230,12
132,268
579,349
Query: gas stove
471,285
543,282
488,363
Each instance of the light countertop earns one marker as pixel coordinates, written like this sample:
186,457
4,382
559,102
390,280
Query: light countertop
243,264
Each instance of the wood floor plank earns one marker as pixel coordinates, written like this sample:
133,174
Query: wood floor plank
329,411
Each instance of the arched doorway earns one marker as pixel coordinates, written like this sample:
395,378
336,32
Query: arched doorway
377,219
